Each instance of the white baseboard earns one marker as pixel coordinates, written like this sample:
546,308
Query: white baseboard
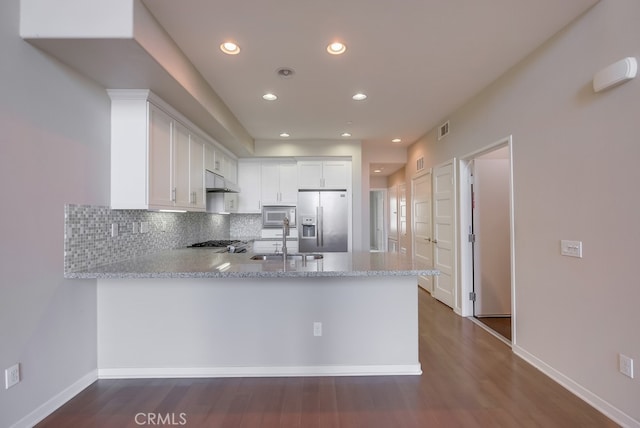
598,403
171,372
56,401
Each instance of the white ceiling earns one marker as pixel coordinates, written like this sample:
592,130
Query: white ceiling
418,60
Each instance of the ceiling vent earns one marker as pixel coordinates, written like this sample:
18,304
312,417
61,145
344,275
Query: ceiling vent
285,72
443,130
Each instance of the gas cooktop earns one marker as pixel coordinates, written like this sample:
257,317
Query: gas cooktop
226,245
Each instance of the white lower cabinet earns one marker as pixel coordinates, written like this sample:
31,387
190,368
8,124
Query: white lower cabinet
271,246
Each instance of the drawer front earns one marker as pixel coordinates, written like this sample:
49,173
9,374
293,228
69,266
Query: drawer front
274,246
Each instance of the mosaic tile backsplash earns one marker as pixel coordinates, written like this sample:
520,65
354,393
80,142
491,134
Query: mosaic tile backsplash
88,242
246,226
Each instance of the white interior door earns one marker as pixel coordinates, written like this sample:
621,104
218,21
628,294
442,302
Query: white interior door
422,226
492,247
402,218
444,214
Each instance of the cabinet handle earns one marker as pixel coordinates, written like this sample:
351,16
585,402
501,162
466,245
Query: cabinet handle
173,195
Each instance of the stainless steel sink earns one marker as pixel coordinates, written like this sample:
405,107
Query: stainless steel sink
290,256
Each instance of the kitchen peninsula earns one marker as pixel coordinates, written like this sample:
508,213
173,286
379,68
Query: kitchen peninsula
195,313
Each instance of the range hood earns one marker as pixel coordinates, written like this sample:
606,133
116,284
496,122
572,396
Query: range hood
216,183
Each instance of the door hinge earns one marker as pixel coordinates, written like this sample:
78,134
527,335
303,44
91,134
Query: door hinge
472,296
472,237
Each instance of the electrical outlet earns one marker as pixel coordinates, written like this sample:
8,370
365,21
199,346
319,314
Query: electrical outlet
114,230
625,365
11,376
144,226
135,227
317,329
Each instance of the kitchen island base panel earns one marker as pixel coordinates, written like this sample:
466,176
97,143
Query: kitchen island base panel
257,327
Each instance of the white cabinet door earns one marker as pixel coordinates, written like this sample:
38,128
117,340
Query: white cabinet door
160,158
325,174
182,196
230,169
214,159
279,183
231,202
288,177
270,183
336,174
210,157
250,197
310,174
196,173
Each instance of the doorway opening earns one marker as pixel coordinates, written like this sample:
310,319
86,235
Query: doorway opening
487,223
377,198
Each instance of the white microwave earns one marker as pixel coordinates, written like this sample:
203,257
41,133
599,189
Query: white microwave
273,215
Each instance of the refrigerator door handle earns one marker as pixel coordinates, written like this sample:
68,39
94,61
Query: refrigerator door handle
320,221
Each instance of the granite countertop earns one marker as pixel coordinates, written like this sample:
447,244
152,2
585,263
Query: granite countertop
202,263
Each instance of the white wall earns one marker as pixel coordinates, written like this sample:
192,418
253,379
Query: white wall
575,161
54,150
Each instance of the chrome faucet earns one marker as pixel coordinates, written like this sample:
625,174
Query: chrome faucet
285,233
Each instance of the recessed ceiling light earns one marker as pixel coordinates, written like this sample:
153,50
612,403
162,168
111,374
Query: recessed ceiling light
346,134
230,48
377,170
396,140
336,48
359,96
270,97
284,135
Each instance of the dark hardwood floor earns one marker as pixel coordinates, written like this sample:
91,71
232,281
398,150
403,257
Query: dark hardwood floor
470,379
501,325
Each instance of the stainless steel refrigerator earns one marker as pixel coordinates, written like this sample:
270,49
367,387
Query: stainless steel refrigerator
323,217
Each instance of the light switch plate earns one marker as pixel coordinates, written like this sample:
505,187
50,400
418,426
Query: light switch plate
571,248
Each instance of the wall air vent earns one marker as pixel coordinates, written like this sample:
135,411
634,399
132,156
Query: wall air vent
443,130
420,164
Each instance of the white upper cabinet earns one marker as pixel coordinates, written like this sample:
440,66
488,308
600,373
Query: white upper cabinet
157,162
196,172
160,161
279,183
176,164
324,174
221,163
250,196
